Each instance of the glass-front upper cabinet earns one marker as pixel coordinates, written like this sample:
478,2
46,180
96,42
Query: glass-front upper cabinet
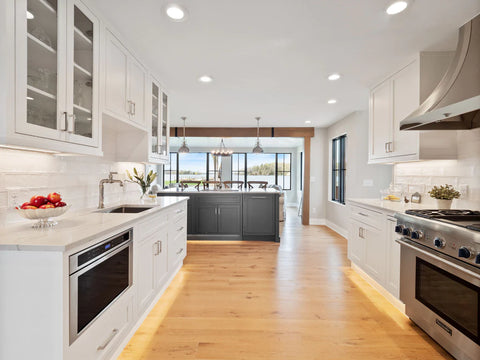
57,71
159,125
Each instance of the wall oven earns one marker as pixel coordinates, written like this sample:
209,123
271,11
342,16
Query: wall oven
440,282
98,276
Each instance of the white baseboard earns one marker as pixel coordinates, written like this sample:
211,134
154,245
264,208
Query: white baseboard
391,299
317,221
339,230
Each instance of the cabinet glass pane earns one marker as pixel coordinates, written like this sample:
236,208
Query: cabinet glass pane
42,63
155,101
163,141
82,73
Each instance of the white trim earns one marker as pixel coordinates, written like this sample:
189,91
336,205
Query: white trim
295,205
339,230
390,298
317,221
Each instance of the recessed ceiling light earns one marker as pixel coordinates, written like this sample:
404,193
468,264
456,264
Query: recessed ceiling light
29,15
333,77
332,101
308,122
397,7
176,12
30,98
205,79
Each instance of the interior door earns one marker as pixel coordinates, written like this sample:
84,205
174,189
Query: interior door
40,68
380,119
137,79
116,65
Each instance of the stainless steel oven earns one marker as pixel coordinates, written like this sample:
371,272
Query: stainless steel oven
440,279
98,276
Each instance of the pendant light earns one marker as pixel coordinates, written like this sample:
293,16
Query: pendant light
184,148
222,151
258,149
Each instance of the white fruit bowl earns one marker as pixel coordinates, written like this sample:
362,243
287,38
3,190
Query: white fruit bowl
44,216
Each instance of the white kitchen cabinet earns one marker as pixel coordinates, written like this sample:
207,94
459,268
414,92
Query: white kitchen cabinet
158,141
393,258
125,83
395,99
356,242
56,82
375,249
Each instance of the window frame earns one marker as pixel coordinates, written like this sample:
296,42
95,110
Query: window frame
341,169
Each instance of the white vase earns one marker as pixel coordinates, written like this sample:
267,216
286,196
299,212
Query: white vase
443,204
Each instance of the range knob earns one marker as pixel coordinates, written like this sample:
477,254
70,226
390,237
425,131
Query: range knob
464,252
407,231
417,235
477,259
399,229
439,243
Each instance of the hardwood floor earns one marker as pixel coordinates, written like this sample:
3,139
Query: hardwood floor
260,300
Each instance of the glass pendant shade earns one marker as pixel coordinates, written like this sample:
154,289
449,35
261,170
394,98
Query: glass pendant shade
184,148
258,149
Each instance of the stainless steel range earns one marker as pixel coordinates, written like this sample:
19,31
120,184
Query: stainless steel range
440,276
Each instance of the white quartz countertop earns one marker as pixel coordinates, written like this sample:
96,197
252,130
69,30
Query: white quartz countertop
77,228
391,206
221,191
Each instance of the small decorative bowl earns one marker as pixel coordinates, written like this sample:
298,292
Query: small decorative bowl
44,216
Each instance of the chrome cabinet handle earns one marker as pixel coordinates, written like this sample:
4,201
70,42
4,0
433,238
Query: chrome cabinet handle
109,340
65,121
180,229
156,249
130,107
71,125
386,147
219,210
179,251
179,211
259,197
134,107
362,214
159,247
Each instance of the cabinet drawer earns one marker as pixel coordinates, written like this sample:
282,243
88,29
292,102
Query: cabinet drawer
177,247
152,225
219,199
104,335
177,212
367,216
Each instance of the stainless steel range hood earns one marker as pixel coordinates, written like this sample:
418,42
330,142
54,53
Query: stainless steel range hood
455,103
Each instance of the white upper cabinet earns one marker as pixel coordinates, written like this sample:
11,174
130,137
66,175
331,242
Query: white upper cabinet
125,83
159,126
397,97
56,77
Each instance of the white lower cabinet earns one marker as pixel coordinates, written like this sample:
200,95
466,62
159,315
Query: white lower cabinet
372,246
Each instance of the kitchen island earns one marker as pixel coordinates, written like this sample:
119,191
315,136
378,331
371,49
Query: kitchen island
231,214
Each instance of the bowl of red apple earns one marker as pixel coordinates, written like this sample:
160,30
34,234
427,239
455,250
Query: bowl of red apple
43,209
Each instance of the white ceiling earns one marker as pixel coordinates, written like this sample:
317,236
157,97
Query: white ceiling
271,57
236,143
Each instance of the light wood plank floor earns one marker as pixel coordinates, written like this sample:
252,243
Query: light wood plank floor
262,300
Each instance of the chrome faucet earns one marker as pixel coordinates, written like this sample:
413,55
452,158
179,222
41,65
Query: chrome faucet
101,191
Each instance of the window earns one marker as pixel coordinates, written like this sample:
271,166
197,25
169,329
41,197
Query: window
239,164
170,175
338,169
214,167
261,167
283,171
192,166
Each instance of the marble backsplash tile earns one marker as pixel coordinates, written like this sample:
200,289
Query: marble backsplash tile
461,173
24,174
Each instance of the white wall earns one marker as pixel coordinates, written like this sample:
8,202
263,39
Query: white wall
318,176
24,174
421,176
361,180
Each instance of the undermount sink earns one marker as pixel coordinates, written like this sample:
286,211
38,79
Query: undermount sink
125,209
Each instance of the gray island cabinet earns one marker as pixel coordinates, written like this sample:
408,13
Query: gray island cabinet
231,215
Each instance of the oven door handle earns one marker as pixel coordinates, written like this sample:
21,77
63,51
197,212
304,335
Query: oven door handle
429,253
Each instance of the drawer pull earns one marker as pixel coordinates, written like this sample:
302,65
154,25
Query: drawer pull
179,211
158,248
180,229
179,251
109,340
362,214
259,197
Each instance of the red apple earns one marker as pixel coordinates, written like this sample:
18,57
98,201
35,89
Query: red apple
24,205
47,206
54,197
60,204
29,207
38,201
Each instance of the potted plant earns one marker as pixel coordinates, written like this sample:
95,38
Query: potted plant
142,180
444,195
